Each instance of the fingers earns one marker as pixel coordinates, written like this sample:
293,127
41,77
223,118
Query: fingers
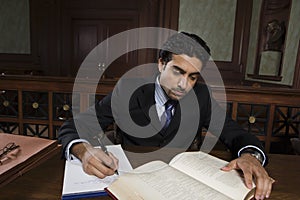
264,188
115,161
109,160
253,172
248,178
247,172
97,168
253,169
96,162
269,189
230,166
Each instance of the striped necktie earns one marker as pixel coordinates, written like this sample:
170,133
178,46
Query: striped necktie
169,105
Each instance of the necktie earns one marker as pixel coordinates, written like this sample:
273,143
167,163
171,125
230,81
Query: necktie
169,105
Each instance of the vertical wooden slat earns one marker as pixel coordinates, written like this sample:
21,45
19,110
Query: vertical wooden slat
20,111
50,115
270,128
84,101
234,110
296,81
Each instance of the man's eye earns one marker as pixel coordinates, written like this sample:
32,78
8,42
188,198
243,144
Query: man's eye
193,78
176,71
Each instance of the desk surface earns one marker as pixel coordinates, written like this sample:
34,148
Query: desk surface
45,181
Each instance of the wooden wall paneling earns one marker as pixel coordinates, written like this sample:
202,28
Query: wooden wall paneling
296,82
168,14
271,10
85,38
127,61
85,29
103,4
20,111
109,17
52,32
23,63
232,71
47,35
51,133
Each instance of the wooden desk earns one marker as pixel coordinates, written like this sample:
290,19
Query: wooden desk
45,181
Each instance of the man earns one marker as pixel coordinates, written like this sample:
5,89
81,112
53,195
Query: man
181,59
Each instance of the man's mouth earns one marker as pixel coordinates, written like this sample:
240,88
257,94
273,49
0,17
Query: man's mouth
178,93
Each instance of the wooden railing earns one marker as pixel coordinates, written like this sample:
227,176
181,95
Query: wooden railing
273,115
38,106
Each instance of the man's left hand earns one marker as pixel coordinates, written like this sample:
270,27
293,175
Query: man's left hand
252,169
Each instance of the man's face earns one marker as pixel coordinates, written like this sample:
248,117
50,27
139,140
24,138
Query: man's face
178,76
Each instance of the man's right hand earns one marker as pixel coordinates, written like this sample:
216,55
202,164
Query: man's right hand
94,160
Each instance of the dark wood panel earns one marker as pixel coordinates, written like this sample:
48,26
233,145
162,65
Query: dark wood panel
232,71
272,12
90,33
297,70
84,40
103,4
52,32
55,26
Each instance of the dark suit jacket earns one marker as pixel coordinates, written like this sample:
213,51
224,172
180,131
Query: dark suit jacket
141,125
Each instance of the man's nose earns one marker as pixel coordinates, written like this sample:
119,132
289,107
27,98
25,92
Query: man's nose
183,82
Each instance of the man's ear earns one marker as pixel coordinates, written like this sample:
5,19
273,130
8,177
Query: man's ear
160,64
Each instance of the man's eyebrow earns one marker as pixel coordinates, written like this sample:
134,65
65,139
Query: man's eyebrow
179,69
195,73
183,72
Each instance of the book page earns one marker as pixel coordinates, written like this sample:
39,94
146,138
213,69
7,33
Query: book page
157,180
76,181
207,169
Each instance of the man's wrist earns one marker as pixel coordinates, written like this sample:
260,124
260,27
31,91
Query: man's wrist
255,154
68,153
79,149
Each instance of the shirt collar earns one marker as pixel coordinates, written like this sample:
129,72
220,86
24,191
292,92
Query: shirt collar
160,96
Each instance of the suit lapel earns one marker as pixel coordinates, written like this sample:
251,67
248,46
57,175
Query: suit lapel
145,102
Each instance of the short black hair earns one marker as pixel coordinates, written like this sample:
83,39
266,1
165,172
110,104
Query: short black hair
185,43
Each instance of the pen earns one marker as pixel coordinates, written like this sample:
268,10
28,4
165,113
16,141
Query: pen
104,149
3,160
10,155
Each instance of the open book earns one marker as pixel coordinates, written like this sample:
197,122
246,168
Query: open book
189,175
77,184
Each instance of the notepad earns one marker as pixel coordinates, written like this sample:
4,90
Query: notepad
78,184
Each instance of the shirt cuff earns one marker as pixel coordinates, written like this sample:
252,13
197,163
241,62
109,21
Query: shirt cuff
68,154
255,148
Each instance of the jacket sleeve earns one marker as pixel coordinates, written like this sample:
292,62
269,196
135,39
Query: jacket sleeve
87,125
